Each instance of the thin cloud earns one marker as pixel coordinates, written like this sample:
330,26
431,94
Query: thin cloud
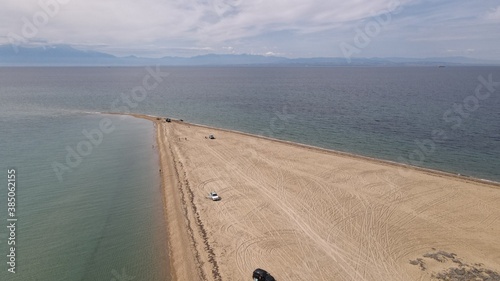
304,28
493,15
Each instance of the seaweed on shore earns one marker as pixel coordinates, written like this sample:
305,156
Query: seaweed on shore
460,272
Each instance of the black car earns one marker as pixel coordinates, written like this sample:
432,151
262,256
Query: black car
262,275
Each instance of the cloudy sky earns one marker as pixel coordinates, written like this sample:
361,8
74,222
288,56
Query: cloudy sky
291,28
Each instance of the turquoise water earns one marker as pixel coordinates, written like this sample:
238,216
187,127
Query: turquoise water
104,220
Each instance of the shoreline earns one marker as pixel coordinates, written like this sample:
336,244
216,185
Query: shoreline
429,171
183,260
355,156
180,261
333,209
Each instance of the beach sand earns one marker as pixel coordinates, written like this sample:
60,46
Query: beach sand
303,213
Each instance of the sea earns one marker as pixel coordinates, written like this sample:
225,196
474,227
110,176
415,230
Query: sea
88,200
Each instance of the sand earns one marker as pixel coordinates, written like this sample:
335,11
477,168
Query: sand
309,214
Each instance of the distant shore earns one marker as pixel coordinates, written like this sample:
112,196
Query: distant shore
304,212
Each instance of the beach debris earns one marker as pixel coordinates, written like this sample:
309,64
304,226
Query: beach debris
467,273
420,262
458,270
440,256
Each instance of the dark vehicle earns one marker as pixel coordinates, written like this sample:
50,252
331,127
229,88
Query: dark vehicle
262,275
168,120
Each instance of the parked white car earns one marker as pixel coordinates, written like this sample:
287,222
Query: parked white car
213,196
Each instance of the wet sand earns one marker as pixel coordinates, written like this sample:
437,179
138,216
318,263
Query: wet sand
304,213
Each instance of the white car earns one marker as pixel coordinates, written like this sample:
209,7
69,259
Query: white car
213,196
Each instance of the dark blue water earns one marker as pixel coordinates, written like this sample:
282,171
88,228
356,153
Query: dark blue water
389,113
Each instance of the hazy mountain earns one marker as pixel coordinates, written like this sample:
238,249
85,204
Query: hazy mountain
51,55
65,55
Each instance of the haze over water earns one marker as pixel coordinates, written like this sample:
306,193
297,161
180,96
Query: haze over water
106,215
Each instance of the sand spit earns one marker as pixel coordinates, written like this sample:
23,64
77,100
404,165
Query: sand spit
311,214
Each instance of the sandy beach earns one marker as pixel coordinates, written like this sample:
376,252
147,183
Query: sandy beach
309,214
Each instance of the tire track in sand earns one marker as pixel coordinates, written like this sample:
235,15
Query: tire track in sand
183,182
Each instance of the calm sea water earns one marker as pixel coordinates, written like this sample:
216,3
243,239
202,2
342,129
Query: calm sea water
389,113
105,219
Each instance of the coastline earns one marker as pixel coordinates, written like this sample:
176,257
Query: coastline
429,171
361,157
198,253
183,263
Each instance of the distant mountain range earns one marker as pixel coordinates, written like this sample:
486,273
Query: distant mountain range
65,55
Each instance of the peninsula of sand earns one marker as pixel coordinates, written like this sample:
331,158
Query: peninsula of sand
304,213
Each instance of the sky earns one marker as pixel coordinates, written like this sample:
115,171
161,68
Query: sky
289,28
